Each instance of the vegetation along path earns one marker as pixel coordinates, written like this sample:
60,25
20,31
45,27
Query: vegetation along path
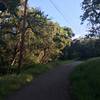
50,86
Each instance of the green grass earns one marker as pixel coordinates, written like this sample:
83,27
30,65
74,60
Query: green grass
13,82
60,62
10,83
85,80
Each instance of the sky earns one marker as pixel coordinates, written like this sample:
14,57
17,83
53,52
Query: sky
71,10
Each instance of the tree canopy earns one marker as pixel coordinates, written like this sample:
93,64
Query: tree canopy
44,39
10,5
91,13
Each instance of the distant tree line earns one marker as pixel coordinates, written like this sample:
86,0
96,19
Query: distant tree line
82,48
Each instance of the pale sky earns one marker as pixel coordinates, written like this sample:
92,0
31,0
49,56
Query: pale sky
71,10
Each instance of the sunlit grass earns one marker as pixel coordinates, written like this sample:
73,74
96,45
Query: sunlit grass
13,82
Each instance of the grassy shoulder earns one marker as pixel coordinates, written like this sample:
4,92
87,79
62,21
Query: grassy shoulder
85,80
12,82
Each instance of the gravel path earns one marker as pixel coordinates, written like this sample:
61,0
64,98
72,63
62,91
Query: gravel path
53,85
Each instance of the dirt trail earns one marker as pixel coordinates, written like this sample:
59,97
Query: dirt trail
53,85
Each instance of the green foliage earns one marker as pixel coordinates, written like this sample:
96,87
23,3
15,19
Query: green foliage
10,6
44,39
82,48
85,80
91,13
91,10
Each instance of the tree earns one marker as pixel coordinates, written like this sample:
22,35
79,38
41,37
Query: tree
10,5
40,41
22,37
91,13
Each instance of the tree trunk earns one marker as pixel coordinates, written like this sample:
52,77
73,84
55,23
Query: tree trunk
22,38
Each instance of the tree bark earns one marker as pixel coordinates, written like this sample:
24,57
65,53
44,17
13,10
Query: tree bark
22,38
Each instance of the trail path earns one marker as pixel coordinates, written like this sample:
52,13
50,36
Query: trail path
53,85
